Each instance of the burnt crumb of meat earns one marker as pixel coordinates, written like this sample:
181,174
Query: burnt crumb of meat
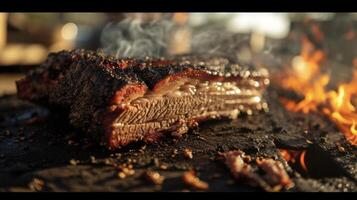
188,153
154,177
190,179
174,153
142,149
125,170
163,166
93,159
309,142
267,173
121,175
73,162
36,184
340,148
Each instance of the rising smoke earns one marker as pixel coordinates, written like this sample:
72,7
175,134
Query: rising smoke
219,43
138,38
135,38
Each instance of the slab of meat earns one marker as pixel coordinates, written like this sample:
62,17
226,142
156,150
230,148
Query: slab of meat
126,100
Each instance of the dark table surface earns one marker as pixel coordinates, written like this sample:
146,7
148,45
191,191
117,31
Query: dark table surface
39,151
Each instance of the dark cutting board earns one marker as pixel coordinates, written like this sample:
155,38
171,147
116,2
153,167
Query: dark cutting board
37,145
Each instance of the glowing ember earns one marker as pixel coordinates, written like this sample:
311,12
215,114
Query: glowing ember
291,156
288,155
302,160
307,79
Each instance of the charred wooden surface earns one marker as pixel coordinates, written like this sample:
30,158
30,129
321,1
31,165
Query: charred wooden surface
39,151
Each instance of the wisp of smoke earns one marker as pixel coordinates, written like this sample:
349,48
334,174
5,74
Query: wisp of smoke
217,42
136,38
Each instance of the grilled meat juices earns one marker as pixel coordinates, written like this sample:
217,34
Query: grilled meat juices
126,100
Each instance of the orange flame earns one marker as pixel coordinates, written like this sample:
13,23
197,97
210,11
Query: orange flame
302,160
288,155
306,79
291,156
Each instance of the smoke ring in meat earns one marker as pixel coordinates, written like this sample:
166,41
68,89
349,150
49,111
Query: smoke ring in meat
126,100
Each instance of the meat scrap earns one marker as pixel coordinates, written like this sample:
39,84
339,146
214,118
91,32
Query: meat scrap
120,101
188,153
190,179
275,173
36,184
125,171
243,168
154,177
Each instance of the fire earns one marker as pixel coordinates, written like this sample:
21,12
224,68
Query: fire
291,156
288,155
302,160
308,79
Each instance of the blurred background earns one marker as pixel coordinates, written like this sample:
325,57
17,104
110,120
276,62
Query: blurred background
27,38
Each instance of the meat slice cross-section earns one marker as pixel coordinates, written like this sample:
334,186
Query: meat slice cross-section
124,100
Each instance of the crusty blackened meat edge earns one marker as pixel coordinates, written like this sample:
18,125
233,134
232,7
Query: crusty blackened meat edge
81,82
126,100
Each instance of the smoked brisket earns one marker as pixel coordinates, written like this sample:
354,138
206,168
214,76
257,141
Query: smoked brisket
124,100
